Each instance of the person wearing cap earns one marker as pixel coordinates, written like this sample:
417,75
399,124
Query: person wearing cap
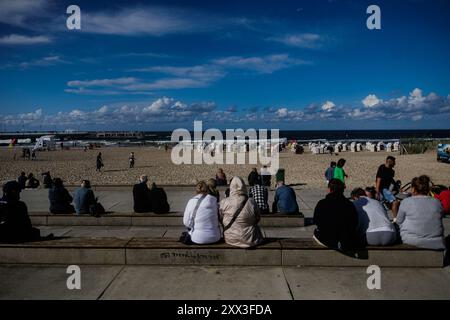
285,200
15,224
84,198
60,199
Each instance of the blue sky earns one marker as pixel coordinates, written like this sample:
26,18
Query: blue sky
158,65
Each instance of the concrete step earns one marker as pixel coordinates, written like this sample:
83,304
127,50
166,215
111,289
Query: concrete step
157,251
147,219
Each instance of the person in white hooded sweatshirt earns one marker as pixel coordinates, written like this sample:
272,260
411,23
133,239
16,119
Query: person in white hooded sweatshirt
203,223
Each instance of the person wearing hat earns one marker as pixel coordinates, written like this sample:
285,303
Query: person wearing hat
60,199
15,224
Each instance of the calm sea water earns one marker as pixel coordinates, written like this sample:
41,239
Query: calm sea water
333,135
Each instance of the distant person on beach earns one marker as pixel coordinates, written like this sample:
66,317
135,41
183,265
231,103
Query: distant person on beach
212,189
22,180
240,216
329,173
336,219
330,150
32,182
15,224
254,176
84,198
420,217
259,193
159,200
201,217
99,162
33,155
131,159
266,176
141,196
339,172
48,181
384,180
60,198
285,200
221,178
373,221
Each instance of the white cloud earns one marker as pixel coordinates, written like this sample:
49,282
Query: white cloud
302,40
170,110
45,61
370,101
102,82
262,64
182,77
328,106
19,12
201,72
282,112
17,39
154,21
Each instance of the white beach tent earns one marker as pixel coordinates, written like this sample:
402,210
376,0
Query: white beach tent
45,143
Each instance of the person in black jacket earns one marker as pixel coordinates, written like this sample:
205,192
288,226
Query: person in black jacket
48,181
159,200
22,179
15,224
336,219
141,196
254,177
60,198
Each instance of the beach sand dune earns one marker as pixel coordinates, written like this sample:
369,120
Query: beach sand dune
308,169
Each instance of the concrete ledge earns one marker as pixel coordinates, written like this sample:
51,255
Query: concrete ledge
102,251
87,220
171,252
156,251
146,219
306,252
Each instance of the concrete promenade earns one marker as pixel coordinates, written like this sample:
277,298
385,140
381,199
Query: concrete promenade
207,282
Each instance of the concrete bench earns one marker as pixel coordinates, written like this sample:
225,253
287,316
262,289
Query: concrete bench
146,219
275,252
307,252
66,251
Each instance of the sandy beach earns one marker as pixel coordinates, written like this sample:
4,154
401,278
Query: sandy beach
308,169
